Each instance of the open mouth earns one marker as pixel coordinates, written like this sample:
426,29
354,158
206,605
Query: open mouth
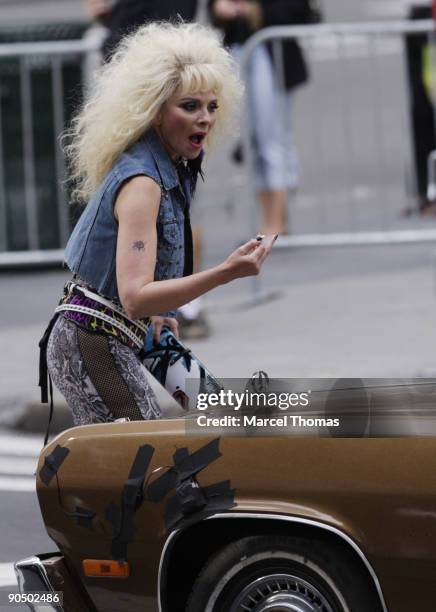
197,138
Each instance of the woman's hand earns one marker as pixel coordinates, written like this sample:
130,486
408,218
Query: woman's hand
97,8
225,10
248,10
159,322
248,259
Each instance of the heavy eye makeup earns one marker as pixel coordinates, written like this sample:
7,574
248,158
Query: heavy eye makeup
193,105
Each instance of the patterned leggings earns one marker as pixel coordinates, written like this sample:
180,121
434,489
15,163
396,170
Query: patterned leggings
100,378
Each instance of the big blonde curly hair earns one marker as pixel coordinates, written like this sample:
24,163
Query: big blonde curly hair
150,66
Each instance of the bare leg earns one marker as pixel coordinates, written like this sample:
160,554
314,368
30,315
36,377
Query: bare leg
197,247
192,322
274,205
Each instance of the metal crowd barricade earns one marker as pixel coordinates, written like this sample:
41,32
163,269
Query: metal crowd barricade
366,207
322,220
30,55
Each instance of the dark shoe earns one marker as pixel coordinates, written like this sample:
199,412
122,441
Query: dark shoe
423,207
428,208
409,211
193,329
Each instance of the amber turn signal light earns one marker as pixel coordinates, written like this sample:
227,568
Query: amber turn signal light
105,568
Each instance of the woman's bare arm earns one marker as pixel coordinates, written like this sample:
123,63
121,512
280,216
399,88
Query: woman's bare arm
136,210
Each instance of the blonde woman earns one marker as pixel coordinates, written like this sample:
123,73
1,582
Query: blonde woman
135,151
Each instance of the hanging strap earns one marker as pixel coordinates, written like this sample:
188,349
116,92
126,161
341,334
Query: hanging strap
44,377
167,355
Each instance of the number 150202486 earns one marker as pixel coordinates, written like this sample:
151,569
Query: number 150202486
39,598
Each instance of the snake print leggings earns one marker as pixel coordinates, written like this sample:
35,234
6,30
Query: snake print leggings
100,378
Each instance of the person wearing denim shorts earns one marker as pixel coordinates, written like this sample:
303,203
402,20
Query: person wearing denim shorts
270,103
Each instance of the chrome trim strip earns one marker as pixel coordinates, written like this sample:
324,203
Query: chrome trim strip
161,562
30,565
290,519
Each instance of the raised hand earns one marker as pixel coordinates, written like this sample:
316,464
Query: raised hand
98,9
225,10
247,260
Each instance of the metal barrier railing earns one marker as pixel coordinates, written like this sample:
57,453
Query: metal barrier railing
28,60
336,37
349,215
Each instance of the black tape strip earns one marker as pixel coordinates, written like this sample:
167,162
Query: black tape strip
173,512
113,515
121,517
52,463
84,517
192,499
185,465
181,455
199,459
219,488
157,490
220,496
191,496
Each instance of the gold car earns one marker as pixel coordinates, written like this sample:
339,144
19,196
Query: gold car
148,517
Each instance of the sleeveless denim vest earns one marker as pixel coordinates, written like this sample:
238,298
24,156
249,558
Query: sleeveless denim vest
90,252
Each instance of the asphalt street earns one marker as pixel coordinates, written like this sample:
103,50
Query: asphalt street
23,532
338,312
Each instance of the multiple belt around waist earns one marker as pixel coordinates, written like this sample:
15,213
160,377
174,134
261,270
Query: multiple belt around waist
95,313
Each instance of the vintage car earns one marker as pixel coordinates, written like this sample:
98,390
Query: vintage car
148,516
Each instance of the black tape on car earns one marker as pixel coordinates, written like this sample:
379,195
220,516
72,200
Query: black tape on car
185,466
191,498
52,463
121,517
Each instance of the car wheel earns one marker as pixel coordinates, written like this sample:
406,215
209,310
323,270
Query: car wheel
281,574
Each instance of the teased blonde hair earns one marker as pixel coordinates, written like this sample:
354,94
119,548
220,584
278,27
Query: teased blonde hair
149,66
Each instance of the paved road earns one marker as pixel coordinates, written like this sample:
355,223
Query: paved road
23,533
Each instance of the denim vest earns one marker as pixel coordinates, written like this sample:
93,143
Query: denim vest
90,252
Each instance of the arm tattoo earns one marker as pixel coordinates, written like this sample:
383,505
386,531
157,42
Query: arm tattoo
139,245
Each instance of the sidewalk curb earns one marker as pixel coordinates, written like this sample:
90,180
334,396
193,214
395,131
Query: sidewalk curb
33,417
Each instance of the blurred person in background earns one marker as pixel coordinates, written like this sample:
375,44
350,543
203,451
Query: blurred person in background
270,105
422,116
121,17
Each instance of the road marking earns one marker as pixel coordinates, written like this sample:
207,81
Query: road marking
12,483
20,445
387,8
7,575
19,461
20,466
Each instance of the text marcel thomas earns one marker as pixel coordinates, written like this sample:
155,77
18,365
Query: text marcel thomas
248,400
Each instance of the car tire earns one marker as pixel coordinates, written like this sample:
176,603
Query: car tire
272,572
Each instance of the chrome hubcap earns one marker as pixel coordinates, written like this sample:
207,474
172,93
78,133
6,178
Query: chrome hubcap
281,593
